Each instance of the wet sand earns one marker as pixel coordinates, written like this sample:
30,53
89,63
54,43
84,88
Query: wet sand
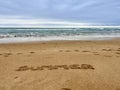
60,65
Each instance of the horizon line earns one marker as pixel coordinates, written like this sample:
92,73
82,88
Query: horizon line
60,26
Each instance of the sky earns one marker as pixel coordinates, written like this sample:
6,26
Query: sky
35,13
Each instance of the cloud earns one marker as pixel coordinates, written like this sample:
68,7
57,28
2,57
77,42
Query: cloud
38,22
74,11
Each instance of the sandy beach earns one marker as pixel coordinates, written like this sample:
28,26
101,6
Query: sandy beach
60,65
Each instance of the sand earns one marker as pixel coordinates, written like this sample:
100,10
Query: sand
60,65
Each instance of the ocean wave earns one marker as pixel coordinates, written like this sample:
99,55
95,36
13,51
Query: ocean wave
46,34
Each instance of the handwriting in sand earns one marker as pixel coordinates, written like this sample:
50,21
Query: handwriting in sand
55,67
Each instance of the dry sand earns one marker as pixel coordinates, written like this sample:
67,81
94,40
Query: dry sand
102,59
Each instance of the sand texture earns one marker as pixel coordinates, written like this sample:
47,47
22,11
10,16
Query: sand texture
60,65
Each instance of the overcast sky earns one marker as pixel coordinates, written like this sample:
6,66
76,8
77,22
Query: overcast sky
59,12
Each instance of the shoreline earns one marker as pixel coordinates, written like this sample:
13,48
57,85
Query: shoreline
50,41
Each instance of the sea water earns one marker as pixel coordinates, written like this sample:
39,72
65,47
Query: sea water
10,35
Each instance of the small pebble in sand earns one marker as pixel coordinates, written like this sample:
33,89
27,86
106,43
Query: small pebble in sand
85,51
76,50
118,53
67,50
32,52
66,89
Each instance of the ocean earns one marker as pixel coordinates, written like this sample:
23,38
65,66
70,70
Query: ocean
11,35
